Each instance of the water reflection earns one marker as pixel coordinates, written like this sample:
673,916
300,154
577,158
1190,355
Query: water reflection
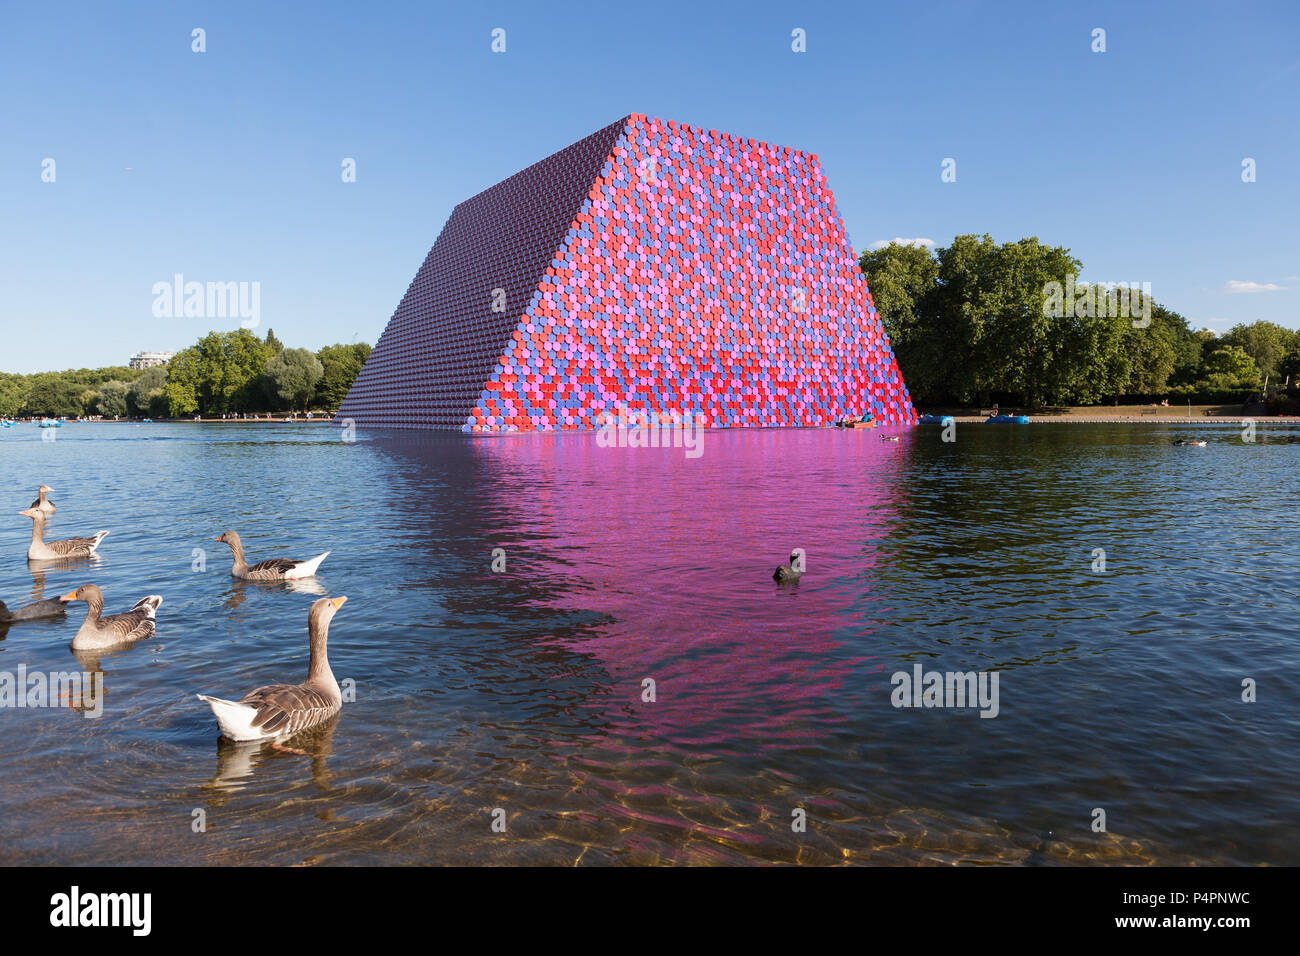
241,588
64,567
511,597
609,589
305,755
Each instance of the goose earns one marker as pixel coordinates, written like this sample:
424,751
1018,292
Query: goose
43,503
788,572
100,632
31,612
276,569
42,550
281,710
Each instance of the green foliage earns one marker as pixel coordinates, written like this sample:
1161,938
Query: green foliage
341,364
1288,368
13,393
145,395
295,373
51,395
1266,343
976,324
976,320
222,373
1230,367
111,400
902,280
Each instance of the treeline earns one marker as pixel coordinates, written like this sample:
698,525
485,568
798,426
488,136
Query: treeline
977,322
224,373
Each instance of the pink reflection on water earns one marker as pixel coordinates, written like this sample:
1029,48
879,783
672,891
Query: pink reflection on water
675,557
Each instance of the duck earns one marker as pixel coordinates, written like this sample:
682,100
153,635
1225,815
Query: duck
889,438
1190,441
788,572
282,710
43,503
35,611
42,550
276,569
98,632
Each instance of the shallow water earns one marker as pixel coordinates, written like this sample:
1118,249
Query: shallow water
522,690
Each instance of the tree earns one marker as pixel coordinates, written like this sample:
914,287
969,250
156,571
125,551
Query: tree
902,280
341,364
13,394
978,320
53,396
1230,367
998,330
1266,343
181,399
1289,368
111,401
145,395
295,373
1152,352
221,373
273,345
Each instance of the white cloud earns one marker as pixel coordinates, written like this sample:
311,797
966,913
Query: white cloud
1236,285
881,243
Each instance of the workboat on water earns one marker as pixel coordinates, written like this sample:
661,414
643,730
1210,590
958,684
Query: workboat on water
866,421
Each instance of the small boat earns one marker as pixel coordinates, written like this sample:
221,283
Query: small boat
1007,420
935,420
50,423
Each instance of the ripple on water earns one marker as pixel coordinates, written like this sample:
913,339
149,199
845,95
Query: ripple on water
522,691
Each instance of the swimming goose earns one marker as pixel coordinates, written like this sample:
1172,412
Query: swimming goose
42,550
43,503
276,569
99,632
788,572
280,710
31,612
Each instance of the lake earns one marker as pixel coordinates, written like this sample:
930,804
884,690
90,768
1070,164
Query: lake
517,695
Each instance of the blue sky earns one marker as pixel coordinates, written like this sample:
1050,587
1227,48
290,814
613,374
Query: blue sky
225,165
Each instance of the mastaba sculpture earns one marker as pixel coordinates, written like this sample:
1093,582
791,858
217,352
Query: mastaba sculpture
650,268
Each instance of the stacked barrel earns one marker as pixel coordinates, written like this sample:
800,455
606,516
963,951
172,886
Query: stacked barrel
697,273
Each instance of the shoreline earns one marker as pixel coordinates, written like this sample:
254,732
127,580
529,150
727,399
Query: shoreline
960,419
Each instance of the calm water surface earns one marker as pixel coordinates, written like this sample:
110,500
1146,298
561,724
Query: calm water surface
522,690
